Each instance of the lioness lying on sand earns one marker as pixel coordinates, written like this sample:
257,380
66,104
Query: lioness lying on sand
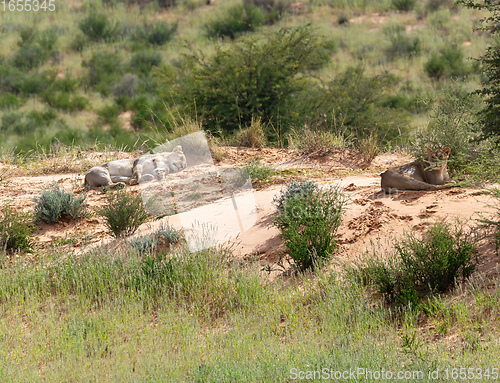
430,174
136,170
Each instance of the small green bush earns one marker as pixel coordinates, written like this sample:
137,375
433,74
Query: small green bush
308,218
15,229
104,69
422,265
127,86
453,124
55,203
142,61
254,136
124,213
401,45
235,21
403,5
159,33
309,140
493,224
448,63
97,27
258,173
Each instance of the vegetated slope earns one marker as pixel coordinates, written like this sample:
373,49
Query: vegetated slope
84,72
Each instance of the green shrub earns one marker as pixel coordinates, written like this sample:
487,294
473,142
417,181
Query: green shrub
258,173
448,63
401,45
253,136
56,203
35,48
403,5
15,229
235,21
309,140
9,101
308,218
97,27
124,213
453,124
65,101
268,71
354,105
422,265
142,61
493,224
127,86
104,69
159,33
30,56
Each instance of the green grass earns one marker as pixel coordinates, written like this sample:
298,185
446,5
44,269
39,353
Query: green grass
202,317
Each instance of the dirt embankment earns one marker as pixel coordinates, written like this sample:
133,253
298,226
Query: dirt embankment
371,217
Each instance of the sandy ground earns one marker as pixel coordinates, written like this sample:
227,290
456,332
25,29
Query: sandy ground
371,217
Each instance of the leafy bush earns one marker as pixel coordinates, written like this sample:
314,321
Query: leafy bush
159,33
309,140
490,115
454,125
65,101
105,69
258,173
448,63
419,266
9,101
15,229
127,86
308,218
264,72
35,48
253,136
403,5
236,20
354,104
124,213
97,27
55,203
143,61
401,45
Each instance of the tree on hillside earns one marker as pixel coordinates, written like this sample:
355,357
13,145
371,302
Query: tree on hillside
255,77
490,115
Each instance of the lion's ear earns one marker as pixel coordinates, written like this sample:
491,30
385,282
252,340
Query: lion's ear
429,151
447,151
178,149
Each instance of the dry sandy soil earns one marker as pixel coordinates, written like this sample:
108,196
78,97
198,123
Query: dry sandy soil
371,217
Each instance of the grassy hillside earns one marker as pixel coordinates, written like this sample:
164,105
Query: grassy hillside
85,72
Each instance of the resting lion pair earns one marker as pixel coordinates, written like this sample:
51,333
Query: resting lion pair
430,174
136,170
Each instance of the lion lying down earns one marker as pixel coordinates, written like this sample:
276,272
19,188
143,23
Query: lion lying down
430,174
136,170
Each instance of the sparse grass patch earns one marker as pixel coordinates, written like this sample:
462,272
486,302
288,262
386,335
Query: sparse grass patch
55,203
253,136
309,140
124,213
16,229
259,173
